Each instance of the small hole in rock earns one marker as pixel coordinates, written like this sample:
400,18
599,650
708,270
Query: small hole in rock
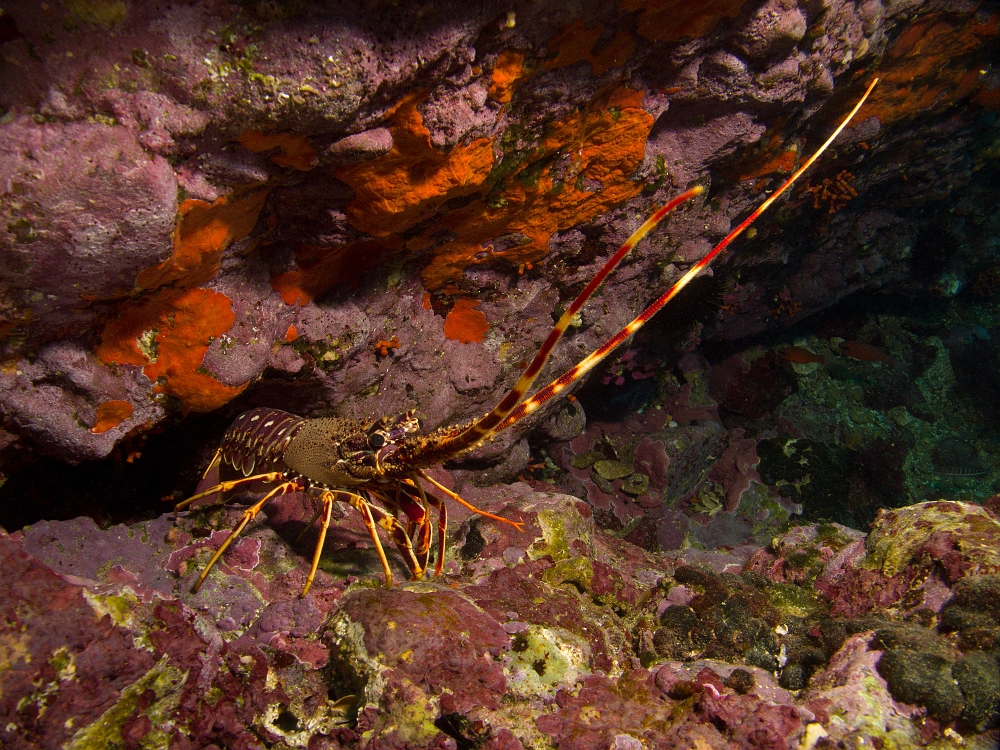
287,722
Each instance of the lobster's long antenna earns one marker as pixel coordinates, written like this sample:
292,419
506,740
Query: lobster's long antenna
486,424
525,408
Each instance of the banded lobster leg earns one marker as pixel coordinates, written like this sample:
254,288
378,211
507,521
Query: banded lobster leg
416,515
404,499
223,487
416,506
373,516
429,498
248,515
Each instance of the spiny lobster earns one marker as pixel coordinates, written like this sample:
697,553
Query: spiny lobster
376,466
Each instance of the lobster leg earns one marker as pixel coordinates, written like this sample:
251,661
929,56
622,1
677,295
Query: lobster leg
373,516
417,509
442,532
216,459
427,500
271,476
248,515
309,524
328,499
402,541
442,526
360,504
478,511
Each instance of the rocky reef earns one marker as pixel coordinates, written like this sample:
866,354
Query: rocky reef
562,636
735,536
373,208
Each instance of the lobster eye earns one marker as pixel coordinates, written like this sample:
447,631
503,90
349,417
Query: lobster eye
376,440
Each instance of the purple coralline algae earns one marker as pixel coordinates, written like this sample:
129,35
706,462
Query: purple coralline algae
329,182
734,532
564,635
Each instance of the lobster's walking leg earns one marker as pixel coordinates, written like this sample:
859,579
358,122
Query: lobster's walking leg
424,525
442,528
416,503
309,524
328,499
373,516
478,511
271,476
401,539
216,459
362,505
248,515
442,532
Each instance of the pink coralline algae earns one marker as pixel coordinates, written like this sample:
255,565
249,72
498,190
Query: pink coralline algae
364,208
735,469
572,635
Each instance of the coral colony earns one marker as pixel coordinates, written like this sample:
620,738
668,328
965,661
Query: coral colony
763,517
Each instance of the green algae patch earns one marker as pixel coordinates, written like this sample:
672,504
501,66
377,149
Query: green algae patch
791,600
762,511
902,535
543,659
166,682
107,13
576,570
831,535
565,532
64,664
413,721
804,558
119,607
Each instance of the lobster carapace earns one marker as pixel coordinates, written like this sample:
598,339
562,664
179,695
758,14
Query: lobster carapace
379,466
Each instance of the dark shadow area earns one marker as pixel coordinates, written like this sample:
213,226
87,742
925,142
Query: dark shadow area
141,479
144,476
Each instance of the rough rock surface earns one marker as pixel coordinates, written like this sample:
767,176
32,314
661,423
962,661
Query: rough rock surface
561,636
381,206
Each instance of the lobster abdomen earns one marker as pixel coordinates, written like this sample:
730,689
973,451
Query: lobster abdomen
258,438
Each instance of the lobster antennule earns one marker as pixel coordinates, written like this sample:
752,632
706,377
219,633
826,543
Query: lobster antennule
487,424
522,410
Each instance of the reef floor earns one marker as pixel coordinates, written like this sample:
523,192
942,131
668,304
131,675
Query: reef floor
564,635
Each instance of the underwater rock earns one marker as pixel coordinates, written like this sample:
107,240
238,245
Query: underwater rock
751,389
977,374
613,469
810,472
520,640
960,537
635,484
218,199
369,208
956,457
